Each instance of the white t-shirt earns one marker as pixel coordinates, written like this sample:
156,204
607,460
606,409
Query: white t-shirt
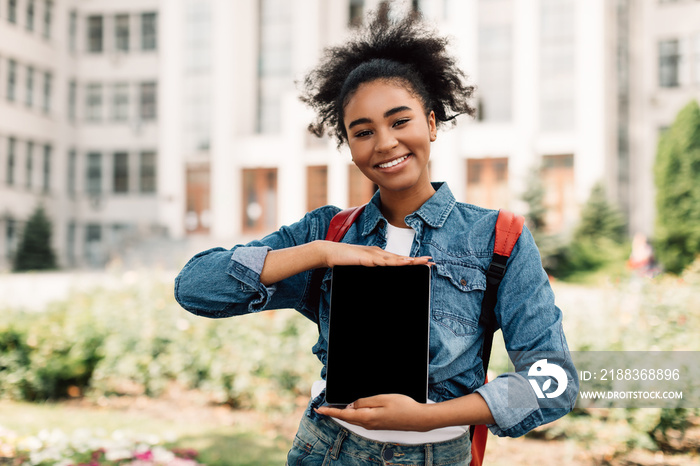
398,241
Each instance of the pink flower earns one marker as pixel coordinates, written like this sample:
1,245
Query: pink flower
146,456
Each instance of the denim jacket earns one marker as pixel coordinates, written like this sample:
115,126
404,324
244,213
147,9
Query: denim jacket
459,237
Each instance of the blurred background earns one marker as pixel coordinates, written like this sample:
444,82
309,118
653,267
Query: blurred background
135,133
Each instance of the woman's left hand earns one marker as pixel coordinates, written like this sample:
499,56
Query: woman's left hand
385,412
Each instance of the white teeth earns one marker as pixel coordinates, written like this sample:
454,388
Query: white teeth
393,162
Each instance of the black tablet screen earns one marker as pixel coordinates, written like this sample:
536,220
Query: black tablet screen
378,340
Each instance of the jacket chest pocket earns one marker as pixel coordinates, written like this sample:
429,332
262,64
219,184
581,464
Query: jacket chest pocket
457,294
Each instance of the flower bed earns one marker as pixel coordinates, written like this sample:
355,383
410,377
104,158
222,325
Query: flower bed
91,448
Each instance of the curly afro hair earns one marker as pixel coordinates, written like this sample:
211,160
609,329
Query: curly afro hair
404,51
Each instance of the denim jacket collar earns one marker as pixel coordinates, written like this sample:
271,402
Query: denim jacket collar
434,211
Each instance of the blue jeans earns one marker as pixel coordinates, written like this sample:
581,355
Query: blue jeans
320,441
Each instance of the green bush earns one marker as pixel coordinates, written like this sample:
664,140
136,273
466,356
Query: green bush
138,340
47,356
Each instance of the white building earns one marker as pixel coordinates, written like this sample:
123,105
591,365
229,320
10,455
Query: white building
136,119
78,123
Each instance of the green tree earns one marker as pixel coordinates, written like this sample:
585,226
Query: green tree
600,219
598,239
677,177
534,198
34,251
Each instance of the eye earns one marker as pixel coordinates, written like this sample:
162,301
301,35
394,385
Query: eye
363,133
401,122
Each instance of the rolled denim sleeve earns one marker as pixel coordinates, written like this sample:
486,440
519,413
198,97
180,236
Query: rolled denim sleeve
532,330
222,283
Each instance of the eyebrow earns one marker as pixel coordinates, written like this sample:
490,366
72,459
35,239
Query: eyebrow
387,114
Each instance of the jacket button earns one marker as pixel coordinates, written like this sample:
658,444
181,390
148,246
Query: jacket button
388,454
463,282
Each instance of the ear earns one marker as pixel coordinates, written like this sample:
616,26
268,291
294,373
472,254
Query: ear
432,126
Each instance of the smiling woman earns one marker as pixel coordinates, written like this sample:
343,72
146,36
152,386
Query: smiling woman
385,93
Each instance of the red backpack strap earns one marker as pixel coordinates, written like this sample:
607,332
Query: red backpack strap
508,229
341,223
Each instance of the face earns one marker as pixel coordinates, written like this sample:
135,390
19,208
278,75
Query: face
389,135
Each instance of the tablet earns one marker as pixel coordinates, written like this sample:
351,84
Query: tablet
378,339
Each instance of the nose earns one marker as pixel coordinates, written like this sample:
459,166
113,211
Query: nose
385,141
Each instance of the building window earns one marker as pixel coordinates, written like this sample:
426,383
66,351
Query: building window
95,34
94,173
557,55
29,95
121,33
487,182
30,164
121,172
93,245
147,104
356,12
10,237
559,200
120,102
275,62
11,80
11,147
93,100
669,63
48,11
316,187
72,99
46,172
495,72
70,243
360,188
72,31
259,200
72,169
47,93
30,15
148,31
197,80
12,11
147,172
197,217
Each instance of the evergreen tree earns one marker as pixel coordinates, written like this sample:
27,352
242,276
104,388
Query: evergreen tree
677,177
534,198
34,251
600,219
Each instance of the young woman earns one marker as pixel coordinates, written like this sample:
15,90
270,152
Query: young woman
385,93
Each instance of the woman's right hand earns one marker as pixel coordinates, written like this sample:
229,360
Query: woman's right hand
370,256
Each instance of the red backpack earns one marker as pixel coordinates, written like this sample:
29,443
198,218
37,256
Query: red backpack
508,229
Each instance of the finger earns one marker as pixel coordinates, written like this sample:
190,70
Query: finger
328,411
369,402
422,260
353,416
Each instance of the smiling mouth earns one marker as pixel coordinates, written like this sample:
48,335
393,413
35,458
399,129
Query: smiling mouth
393,162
